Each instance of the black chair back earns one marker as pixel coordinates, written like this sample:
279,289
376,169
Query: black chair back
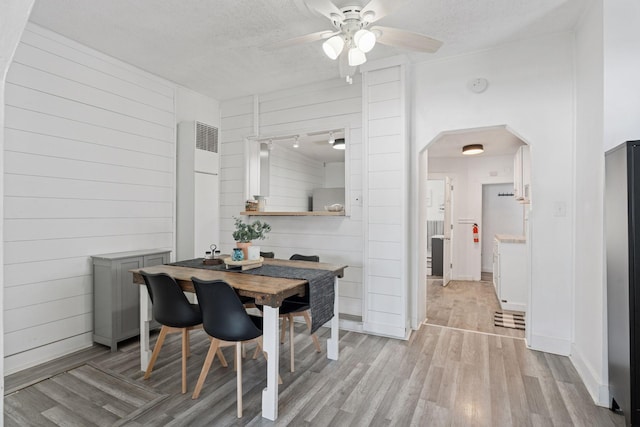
267,254
298,257
170,306
223,315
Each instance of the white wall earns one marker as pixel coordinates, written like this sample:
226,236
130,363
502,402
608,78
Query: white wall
198,194
500,215
435,200
89,169
621,62
293,177
468,175
334,176
590,342
531,91
607,108
325,105
12,22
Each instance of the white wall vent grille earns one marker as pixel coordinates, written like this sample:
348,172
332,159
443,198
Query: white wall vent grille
206,137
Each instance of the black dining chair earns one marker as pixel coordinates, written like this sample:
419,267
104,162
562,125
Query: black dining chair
227,323
175,313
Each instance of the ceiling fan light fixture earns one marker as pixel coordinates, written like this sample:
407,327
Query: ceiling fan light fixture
356,57
331,138
333,47
471,149
365,40
338,144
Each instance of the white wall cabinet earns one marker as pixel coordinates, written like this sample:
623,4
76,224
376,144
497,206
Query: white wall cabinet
522,175
116,314
509,272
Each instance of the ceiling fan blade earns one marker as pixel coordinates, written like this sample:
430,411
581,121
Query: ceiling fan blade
406,39
324,7
307,38
378,9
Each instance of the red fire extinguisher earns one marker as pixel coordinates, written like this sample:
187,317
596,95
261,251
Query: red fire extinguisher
476,238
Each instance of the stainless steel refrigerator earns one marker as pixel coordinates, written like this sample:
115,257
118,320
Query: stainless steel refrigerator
622,234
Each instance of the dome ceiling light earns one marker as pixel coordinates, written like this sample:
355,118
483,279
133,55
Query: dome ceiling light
471,149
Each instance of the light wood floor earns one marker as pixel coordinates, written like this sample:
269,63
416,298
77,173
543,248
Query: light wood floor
440,377
465,305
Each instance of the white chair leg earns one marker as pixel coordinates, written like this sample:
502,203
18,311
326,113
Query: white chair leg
239,377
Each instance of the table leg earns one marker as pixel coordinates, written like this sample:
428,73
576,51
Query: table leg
332,343
271,347
145,320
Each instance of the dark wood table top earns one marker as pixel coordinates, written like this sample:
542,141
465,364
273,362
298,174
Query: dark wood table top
269,291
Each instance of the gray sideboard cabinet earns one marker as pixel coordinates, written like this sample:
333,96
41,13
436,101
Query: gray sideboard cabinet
116,300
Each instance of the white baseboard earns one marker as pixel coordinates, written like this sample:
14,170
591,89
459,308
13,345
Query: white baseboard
549,345
513,306
350,325
599,392
385,330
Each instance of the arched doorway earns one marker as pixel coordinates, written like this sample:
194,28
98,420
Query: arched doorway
502,161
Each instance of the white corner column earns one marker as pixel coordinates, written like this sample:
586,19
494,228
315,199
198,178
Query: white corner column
386,203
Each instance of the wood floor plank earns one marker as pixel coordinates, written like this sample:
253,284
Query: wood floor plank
440,377
500,412
77,403
535,397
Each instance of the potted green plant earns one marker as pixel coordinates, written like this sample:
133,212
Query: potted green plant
246,232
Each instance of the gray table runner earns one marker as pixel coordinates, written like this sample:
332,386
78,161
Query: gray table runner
320,290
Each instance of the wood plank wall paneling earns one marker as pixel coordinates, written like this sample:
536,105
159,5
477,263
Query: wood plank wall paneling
90,155
320,106
386,184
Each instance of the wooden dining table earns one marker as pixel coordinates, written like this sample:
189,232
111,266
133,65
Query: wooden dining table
267,291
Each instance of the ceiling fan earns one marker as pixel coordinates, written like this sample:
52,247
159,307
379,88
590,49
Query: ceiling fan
353,35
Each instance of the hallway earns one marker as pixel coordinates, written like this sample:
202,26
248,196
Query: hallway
465,305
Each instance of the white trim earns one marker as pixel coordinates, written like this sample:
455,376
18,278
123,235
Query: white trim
364,198
472,332
549,344
599,392
380,64
384,330
405,201
513,306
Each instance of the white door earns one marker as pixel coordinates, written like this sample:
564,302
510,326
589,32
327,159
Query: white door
448,232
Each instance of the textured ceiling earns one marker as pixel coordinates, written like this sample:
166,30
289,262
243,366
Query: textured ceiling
217,47
497,141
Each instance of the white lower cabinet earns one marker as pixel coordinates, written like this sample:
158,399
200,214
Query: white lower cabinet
509,272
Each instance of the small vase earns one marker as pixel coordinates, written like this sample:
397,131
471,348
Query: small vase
237,254
244,246
254,253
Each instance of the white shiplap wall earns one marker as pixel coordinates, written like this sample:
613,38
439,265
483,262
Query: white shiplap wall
292,179
321,106
386,184
89,169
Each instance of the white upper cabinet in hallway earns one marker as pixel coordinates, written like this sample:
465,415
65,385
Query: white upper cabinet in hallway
522,175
